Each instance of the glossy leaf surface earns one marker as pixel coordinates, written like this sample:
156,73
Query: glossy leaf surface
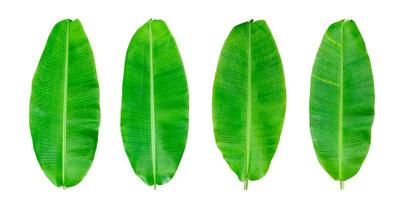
249,100
342,101
155,104
64,106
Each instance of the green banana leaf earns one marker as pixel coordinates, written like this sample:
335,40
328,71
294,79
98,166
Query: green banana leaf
249,100
155,104
64,106
342,101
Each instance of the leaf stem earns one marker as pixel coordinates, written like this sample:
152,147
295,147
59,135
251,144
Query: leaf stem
341,185
246,184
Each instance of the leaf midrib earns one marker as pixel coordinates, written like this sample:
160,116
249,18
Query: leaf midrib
340,113
248,112
65,107
152,112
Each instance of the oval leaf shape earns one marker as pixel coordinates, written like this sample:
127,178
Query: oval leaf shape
249,100
155,104
342,101
64,106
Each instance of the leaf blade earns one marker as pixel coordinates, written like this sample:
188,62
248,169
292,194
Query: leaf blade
154,136
342,101
65,83
246,138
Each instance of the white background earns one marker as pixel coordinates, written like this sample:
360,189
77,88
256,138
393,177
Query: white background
200,28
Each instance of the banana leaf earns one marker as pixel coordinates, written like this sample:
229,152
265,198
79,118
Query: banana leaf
64,105
342,101
249,100
155,104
